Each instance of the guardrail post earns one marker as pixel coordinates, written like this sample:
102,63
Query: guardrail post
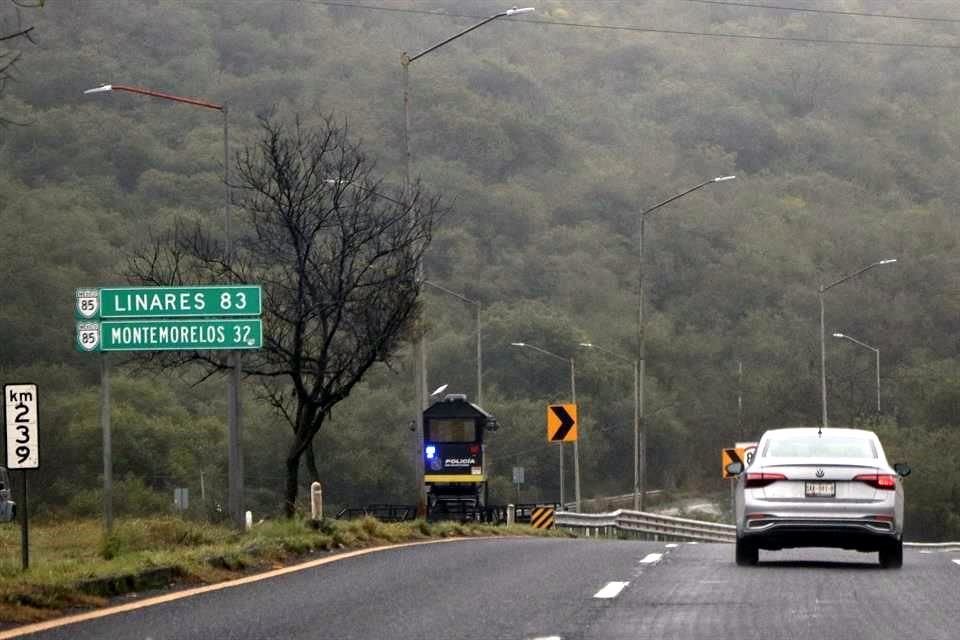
316,501
511,514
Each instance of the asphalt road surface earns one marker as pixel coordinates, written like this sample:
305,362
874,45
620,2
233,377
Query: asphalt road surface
567,589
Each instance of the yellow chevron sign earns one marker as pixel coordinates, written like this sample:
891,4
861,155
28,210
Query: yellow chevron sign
561,423
730,455
541,518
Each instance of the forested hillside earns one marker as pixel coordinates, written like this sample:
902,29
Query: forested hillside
548,133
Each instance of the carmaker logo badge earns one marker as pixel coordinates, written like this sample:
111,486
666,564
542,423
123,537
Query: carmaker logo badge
819,473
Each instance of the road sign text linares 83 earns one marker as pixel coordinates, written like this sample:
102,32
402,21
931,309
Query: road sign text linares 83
168,302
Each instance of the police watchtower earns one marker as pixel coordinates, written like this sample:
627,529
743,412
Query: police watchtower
455,474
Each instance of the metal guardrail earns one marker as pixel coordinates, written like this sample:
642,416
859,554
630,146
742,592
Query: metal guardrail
659,527
670,527
647,525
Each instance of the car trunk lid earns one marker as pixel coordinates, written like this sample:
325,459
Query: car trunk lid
802,480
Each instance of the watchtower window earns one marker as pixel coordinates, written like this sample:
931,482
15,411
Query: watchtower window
452,430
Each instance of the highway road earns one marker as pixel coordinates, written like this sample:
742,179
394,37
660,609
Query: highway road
566,589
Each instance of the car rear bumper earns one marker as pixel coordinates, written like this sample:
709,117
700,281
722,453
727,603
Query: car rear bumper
772,532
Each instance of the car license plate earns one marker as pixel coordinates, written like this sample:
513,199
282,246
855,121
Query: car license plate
820,489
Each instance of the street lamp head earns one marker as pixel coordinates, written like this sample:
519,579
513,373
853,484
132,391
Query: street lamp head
104,89
518,344
588,345
839,335
888,261
724,178
514,11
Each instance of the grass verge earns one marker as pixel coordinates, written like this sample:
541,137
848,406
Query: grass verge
72,564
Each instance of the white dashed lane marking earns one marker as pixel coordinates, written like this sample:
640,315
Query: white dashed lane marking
956,561
612,590
672,545
651,558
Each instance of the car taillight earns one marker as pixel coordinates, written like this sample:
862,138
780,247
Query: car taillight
762,479
878,480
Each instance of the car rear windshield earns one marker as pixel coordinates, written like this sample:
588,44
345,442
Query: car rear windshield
820,447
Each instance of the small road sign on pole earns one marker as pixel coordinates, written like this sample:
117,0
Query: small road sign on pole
20,411
20,403
562,423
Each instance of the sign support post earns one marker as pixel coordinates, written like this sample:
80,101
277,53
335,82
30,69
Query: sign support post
234,454
24,525
107,445
21,410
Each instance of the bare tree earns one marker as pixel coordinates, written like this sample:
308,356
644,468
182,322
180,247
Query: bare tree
336,256
13,30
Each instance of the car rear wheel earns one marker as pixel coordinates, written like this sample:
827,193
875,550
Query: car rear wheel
747,553
891,556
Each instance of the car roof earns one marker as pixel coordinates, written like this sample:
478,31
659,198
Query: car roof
830,431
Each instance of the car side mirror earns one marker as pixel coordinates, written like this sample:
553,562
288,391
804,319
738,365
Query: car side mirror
902,469
734,468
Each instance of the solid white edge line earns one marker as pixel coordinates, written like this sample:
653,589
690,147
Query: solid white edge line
611,590
651,558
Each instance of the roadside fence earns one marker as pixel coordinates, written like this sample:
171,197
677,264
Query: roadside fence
652,526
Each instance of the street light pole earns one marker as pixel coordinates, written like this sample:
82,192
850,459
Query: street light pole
641,333
419,353
573,399
478,306
576,443
876,352
636,417
823,340
234,453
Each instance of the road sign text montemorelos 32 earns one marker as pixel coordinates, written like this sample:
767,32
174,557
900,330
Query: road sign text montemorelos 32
169,318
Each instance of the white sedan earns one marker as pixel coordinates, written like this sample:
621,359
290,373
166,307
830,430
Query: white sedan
808,487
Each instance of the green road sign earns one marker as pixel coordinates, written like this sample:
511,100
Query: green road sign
170,335
168,302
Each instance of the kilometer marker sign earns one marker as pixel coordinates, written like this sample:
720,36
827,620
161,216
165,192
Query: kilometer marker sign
170,335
